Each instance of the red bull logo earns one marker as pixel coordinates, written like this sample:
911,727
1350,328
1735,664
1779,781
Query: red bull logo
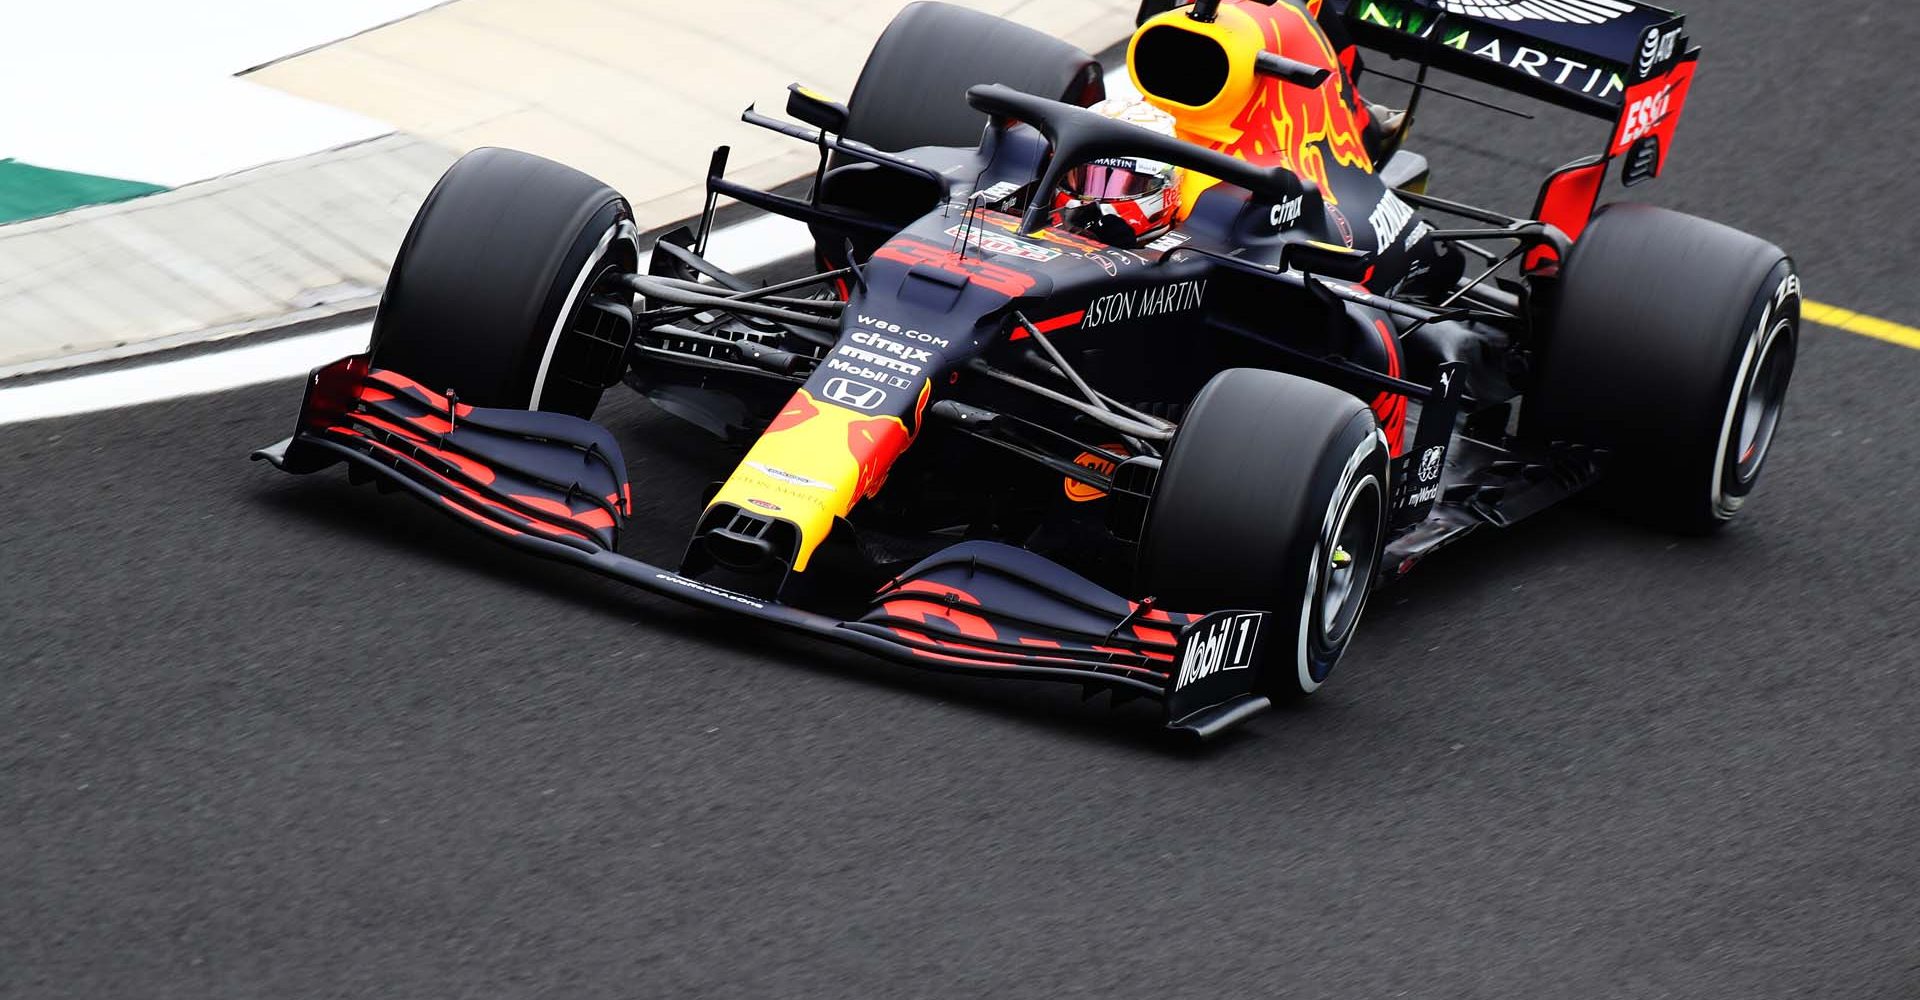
816,460
1313,131
1298,127
875,444
800,409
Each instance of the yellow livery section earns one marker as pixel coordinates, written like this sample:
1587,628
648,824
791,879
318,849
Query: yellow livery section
1203,73
815,462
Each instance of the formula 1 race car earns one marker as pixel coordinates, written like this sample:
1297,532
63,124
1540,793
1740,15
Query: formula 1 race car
1146,395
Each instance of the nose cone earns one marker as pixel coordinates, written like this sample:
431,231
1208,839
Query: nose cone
820,458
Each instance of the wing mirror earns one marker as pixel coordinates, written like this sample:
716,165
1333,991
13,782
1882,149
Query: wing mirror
1326,260
816,109
1291,70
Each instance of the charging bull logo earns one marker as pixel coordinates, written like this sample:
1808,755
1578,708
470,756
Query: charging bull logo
1293,126
816,460
874,444
800,409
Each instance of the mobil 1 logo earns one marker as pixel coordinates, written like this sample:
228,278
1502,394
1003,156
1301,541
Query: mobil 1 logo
1221,643
1214,662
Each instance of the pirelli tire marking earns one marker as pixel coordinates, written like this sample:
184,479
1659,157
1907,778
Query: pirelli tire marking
1337,510
1775,322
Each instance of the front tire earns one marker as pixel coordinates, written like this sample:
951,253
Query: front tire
1672,346
503,291
1273,498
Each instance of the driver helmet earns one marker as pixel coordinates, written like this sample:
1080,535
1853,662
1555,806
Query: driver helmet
1141,196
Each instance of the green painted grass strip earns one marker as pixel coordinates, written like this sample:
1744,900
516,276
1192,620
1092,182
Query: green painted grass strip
29,192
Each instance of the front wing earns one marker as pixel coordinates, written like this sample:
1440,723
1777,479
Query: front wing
557,486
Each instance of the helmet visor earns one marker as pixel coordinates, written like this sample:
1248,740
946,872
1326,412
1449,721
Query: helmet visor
1103,182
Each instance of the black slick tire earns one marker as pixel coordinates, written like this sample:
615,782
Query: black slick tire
1273,498
492,276
1671,346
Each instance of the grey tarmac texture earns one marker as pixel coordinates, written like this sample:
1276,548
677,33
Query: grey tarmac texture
266,736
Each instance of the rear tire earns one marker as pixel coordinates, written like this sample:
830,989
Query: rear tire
913,90
1270,476
1672,346
487,292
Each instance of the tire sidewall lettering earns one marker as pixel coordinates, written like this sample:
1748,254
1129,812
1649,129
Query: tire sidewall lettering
1778,316
1354,477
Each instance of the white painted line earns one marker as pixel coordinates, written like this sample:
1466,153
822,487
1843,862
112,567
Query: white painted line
740,248
195,376
758,242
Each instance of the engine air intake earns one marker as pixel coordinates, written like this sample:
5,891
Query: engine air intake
1184,67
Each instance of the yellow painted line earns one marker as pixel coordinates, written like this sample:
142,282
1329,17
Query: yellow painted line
1866,326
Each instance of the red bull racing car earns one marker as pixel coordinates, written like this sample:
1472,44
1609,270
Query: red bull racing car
1145,394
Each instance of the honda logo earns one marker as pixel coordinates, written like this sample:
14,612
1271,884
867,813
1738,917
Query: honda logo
850,393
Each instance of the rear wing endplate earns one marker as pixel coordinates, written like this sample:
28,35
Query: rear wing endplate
1624,62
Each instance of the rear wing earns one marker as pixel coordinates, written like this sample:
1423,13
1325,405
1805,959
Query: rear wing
1624,62
1585,55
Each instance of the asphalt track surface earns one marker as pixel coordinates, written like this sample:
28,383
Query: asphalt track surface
265,736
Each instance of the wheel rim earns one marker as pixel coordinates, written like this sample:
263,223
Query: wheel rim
1764,396
1351,557
599,263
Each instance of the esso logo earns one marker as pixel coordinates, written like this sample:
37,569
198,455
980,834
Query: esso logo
1646,114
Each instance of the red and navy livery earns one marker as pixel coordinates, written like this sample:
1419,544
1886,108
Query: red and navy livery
557,486
983,440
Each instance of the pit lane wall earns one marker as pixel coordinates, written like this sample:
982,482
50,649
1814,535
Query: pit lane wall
223,167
